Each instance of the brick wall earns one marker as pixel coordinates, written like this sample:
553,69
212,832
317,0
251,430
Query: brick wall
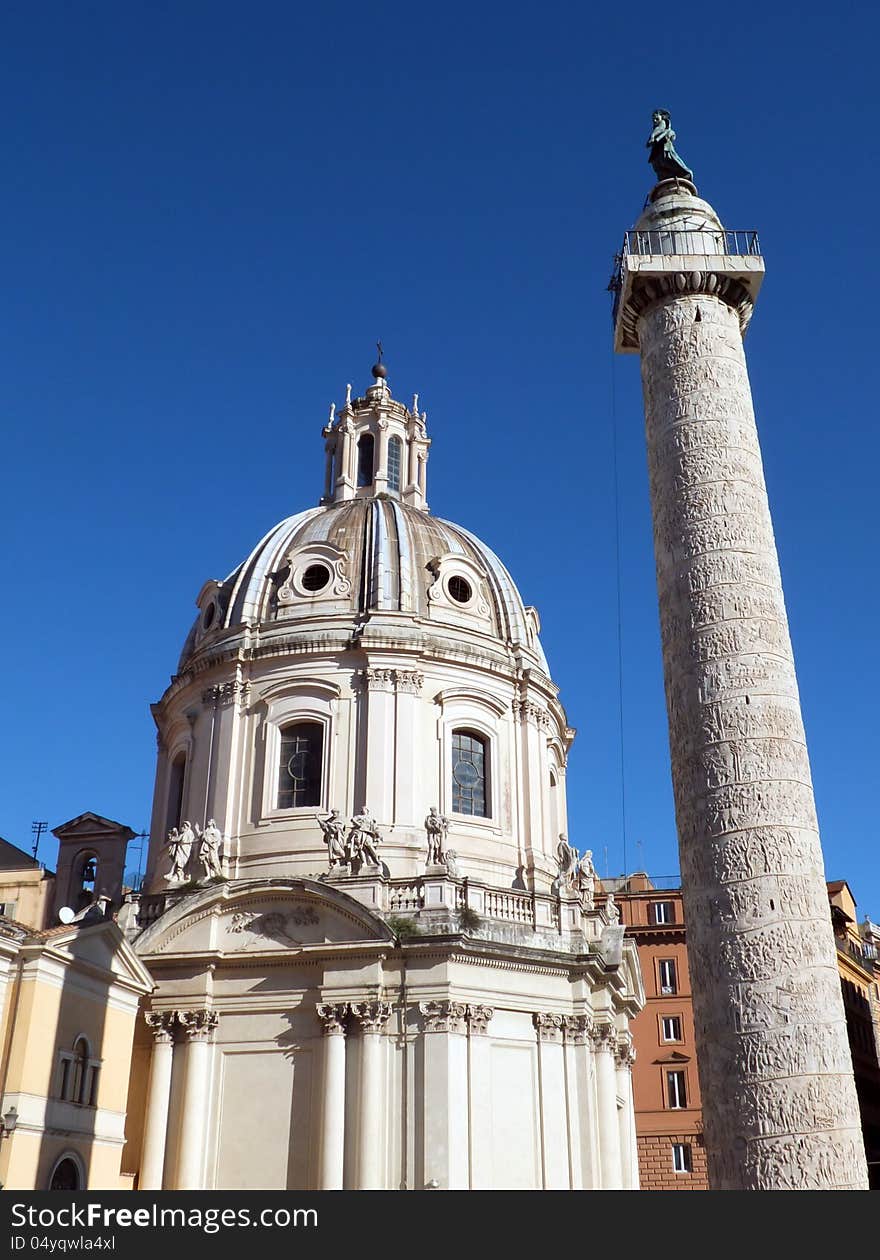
655,1163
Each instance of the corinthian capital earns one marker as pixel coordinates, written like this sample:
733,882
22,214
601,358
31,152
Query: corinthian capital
549,1026
443,1016
372,1016
160,1024
578,1029
332,1016
604,1036
198,1025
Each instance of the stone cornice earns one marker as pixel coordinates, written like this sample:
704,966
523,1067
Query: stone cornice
652,290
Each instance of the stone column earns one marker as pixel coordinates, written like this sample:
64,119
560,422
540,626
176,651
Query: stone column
766,993
581,1104
554,1120
445,1122
604,1038
160,1024
333,1096
372,1018
624,1058
479,1097
198,1027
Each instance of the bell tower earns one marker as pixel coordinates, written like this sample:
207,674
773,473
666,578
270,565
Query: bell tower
779,1102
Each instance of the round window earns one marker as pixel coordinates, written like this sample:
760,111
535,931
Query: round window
208,616
315,577
459,589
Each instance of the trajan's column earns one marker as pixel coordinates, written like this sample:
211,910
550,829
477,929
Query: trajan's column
779,1102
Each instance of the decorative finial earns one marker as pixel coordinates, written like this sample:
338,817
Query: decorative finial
380,372
663,157
332,415
348,395
415,406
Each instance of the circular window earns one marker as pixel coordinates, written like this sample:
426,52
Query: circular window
208,616
315,577
459,589
465,774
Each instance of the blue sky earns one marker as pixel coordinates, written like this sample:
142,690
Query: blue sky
211,211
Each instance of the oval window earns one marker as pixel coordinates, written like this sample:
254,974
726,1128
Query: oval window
315,577
459,589
208,617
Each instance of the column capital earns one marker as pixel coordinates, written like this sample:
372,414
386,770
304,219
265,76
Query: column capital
198,1025
625,1051
332,1016
372,1016
549,1027
478,1019
603,1035
161,1025
443,1017
410,681
578,1029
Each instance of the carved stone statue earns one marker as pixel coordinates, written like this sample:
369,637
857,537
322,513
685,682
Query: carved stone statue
363,839
437,827
333,828
586,878
612,909
210,844
567,857
663,157
179,846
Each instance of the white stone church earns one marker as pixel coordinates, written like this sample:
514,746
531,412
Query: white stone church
378,962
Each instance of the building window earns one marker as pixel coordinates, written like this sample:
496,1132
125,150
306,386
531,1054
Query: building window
663,912
394,460
682,1161
175,792
668,978
65,1176
670,1026
8,908
299,772
78,1075
676,1090
365,460
470,758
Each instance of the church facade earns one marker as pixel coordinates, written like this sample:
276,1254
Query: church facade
378,963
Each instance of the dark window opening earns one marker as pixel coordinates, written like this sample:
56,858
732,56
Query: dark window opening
65,1176
316,577
469,774
459,589
365,460
175,792
299,776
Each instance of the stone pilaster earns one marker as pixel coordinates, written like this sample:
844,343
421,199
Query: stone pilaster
552,1098
604,1040
445,1121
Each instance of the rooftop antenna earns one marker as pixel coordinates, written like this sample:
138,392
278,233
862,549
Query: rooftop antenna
37,828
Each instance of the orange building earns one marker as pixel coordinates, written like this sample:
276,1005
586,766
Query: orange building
665,1084
666,1088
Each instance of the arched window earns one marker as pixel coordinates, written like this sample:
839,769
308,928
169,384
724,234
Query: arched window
66,1175
175,791
299,772
85,880
470,774
78,1075
395,447
365,460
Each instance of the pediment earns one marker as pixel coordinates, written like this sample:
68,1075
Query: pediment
92,826
278,916
103,948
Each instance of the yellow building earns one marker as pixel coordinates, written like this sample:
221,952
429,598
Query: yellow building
27,889
68,1005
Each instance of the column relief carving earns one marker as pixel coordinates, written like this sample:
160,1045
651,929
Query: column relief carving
478,1019
198,1025
549,1026
332,1016
371,1016
443,1017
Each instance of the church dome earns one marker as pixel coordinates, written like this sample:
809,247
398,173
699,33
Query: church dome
363,559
